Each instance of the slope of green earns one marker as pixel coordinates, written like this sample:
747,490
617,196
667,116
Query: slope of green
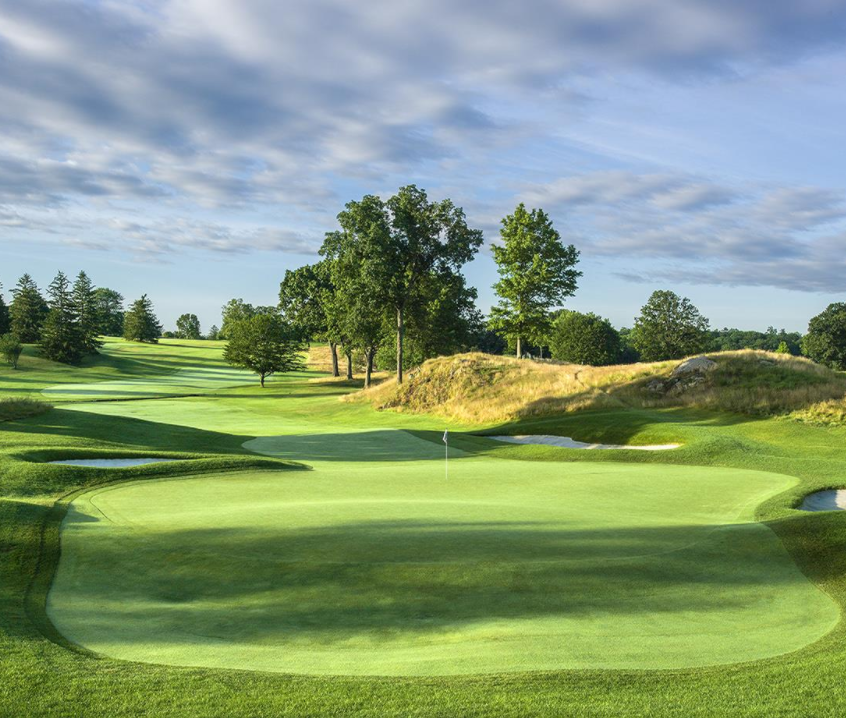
41,674
124,369
382,567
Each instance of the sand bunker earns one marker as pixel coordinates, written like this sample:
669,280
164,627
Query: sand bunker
109,463
833,500
568,443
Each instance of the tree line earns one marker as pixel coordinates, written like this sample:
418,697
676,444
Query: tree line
388,292
66,323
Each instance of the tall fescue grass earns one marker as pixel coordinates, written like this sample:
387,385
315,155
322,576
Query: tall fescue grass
11,409
483,388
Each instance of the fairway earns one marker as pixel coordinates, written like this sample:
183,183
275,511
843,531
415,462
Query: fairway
375,564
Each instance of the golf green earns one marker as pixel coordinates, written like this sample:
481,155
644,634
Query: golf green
376,563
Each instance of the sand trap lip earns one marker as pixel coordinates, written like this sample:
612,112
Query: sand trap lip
109,463
567,443
832,500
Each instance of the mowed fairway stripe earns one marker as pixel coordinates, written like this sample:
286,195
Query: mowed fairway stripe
378,565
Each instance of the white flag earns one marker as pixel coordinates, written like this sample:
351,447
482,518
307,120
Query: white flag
446,431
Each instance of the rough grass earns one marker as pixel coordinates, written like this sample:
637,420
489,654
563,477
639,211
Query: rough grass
481,388
11,409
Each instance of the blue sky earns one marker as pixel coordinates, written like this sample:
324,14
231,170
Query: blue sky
195,149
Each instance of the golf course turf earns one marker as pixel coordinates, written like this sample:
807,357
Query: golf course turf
535,580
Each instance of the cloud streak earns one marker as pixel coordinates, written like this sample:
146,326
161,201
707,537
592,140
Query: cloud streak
181,111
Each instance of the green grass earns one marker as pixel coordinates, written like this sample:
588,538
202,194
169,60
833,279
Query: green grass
384,567
124,370
711,568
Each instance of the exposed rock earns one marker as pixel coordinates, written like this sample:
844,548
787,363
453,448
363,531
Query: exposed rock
697,365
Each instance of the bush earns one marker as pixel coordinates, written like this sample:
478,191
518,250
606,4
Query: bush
11,409
10,349
584,339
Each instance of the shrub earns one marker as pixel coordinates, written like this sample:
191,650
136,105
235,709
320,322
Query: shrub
10,349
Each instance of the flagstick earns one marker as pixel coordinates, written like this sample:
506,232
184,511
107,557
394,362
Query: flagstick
446,460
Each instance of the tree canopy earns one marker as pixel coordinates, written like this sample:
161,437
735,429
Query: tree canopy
10,349
584,339
537,272
109,311
27,311
5,321
84,300
140,323
669,327
188,327
825,341
61,338
265,345
398,244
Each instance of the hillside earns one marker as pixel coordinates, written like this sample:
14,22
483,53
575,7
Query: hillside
482,388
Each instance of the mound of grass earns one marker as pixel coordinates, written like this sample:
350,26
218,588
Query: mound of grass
480,388
11,409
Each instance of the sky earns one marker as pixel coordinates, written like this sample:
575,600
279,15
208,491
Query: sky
194,150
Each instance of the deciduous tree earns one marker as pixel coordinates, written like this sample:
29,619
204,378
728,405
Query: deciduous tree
401,242
188,327
10,349
537,272
265,345
110,312
584,339
825,341
669,327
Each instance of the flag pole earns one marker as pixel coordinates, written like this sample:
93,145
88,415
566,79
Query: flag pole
446,454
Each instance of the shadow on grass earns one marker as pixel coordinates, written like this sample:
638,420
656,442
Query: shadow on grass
421,577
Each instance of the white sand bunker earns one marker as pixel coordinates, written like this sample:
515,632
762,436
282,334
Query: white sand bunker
109,463
833,500
568,443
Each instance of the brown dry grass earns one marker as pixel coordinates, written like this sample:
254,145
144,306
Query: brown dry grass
481,388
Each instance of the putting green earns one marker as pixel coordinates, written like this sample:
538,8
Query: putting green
376,564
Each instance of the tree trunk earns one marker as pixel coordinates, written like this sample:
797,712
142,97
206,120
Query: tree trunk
400,333
334,349
519,353
349,365
369,355
262,380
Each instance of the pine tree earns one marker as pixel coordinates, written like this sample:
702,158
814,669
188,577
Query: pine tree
140,323
85,303
27,311
5,321
61,339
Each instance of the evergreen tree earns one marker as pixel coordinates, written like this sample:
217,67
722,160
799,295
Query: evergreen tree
27,311
85,303
5,321
214,333
61,339
140,323
109,312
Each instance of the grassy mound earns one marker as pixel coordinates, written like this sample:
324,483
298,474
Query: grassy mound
481,388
